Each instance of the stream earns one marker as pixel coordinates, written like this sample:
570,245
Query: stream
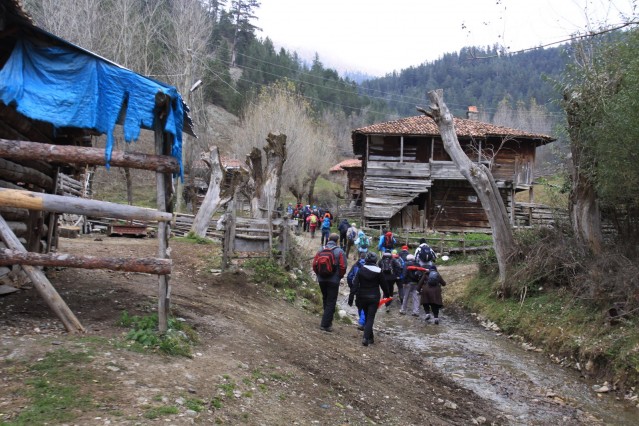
525,385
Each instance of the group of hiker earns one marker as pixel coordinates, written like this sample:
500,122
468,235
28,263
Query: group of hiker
373,277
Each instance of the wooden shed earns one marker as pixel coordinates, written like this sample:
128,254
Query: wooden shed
350,173
54,96
410,182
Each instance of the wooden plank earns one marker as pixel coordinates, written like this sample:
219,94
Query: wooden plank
68,154
61,204
143,265
16,173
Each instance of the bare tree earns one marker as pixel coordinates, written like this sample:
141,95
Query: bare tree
264,185
310,147
479,177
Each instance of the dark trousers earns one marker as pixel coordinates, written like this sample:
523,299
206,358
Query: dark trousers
329,299
435,307
342,241
370,309
389,287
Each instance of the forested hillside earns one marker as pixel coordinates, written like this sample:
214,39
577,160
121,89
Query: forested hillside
475,76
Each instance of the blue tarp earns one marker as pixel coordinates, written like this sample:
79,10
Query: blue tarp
70,88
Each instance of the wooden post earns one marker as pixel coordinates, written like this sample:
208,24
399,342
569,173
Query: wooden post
463,241
441,244
163,280
42,284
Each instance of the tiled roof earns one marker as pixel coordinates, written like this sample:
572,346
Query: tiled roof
423,125
346,164
227,163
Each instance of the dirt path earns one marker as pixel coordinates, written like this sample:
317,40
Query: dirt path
261,360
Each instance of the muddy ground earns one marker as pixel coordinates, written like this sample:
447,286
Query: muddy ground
261,360
281,367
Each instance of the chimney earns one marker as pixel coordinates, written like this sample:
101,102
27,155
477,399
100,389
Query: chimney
472,113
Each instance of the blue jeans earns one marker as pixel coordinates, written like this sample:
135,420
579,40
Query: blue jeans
325,233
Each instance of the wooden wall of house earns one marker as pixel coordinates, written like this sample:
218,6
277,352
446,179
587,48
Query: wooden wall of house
454,205
355,178
513,157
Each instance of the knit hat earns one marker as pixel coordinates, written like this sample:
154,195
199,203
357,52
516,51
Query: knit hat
410,257
394,251
386,254
354,225
405,248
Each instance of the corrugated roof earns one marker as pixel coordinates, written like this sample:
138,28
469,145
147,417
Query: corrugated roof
422,125
351,163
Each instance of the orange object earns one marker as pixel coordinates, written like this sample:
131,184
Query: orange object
384,301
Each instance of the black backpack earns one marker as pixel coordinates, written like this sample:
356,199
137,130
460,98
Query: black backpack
425,254
386,265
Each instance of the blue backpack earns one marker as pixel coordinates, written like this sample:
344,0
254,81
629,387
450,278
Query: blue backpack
326,224
354,270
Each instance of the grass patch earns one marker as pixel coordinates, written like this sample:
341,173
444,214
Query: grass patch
155,412
177,341
565,326
56,389
268,271
191,238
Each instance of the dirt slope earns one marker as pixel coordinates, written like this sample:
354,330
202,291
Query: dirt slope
260,360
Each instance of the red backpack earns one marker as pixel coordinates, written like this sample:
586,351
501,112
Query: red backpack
324,263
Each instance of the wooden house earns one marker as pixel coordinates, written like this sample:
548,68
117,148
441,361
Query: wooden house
410,182
349,173
54,96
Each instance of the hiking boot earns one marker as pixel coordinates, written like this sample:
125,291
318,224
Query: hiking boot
436,321
365,342
371,340
402,312
327,329
388,309
427,317
360,327
415,314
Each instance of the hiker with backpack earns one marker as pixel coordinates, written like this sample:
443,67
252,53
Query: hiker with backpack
312,220
430,291
349,280
329,264
362,242
414,274
325,229
366,286
306,212
351,236
386,242
425,255
343,229
386,265
399,271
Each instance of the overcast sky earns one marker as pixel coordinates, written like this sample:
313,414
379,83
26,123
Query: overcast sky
379,36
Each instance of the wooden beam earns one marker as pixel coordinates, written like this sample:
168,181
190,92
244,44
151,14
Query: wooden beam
42,284
16,173
61,204
67,154
144,265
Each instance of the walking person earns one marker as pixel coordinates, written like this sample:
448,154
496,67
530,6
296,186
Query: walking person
430,291
386,266
351,236
362,244
424,255
386,242
325,230
343,229
329,265
414,274
312,220
399,269
366,289
349,280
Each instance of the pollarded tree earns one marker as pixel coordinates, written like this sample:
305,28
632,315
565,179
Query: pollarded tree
600,99
310,147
